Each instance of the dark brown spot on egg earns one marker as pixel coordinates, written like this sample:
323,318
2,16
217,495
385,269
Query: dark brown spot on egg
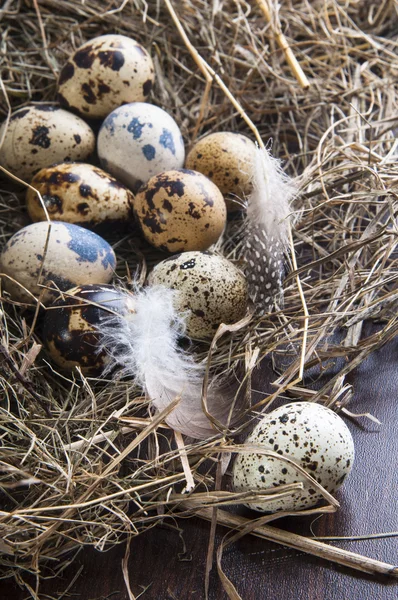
147,86
88,93
84,57
19,114
152,223
77,138
67,73
167,206
40,137
313,466
103,88
85,190
58,177
83,208
113,59
53,203
62,100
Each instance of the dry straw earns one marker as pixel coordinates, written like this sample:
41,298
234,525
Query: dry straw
85,462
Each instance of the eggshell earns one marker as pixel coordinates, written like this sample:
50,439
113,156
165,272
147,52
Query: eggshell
74,256
41,135
70,328
79,193
313,436
227,158
211,290
105,73
137,141
180,210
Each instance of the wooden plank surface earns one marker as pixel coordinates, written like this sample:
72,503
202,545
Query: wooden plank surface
170,564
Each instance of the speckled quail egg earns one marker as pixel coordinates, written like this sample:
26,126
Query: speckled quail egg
211,290
105,73
180,210
79,193
227,158
309,434
137,141
70,328
73,256
41,135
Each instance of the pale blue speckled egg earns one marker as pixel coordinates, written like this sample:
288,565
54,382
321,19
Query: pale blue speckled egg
139,140
74,256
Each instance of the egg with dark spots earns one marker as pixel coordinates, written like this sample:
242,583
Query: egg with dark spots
309,434
42,259
104,73
180,210
227,158
210,290
41,135
70,328
79,193
137,141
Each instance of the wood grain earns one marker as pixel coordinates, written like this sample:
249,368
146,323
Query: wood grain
171,563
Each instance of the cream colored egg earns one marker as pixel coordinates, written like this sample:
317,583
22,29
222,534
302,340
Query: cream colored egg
104,73
137,141
79,193
227,158
180,210
312,436
211,290
73,256
41,135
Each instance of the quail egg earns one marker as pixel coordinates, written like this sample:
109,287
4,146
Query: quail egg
79,193
41,135
180,210
227,158
309,434
211,290
139,140
104,73
57,255
70,329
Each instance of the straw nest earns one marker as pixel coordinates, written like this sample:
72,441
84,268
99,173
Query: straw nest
85,462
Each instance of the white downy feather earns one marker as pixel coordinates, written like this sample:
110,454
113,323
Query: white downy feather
269,203
144,344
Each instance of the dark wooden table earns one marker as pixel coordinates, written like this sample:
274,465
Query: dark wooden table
170,566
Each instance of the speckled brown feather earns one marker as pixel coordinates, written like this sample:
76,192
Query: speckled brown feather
266,232
264,258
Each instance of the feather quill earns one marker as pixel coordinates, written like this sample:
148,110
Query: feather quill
266,237
144,345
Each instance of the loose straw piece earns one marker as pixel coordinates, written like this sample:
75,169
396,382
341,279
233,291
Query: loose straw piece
297,542
184,461
283,44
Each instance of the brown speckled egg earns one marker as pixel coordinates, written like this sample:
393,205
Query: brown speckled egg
70,329
180,210
313,436
211,290
74,256
41,135
104,73
227,158
79,193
